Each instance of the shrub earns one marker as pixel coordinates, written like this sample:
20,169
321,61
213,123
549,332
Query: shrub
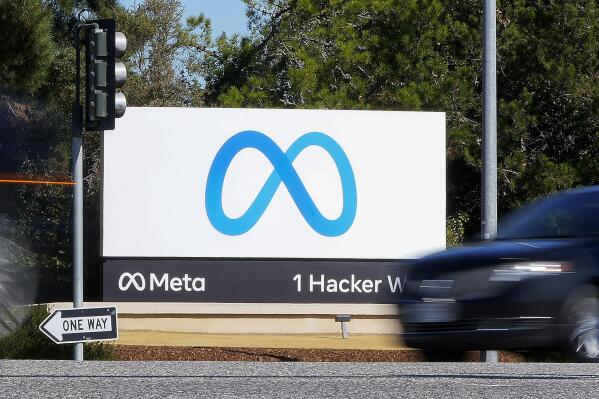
455,229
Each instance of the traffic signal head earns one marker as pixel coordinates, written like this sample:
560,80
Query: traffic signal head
104,75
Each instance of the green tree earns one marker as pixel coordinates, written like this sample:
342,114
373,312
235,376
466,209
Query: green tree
426,55
161,58
27,48
36,73
160,52
380,54
548,97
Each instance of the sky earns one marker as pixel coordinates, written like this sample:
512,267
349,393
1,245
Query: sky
226,15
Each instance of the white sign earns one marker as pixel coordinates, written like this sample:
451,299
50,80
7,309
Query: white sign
81,325
262,183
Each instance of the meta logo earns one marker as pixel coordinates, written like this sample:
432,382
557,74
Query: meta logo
163,282
285,173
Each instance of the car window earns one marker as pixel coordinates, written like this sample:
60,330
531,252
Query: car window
562,215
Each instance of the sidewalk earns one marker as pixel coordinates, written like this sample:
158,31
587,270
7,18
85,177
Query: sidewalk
299,341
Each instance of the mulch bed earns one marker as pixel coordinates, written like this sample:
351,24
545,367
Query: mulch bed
131,352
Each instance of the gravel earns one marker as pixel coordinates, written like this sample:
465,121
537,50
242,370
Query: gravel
68,379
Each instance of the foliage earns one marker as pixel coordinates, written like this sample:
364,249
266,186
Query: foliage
30,134
382,54
160,50
549,97
26,48
426,55
35,133
455,229
28,342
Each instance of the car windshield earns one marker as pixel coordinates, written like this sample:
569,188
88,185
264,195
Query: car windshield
558,216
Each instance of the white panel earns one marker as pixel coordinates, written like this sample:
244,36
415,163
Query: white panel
156,166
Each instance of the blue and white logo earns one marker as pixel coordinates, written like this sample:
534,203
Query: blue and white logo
283,172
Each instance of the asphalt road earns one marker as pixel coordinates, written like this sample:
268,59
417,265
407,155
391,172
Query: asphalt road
65,379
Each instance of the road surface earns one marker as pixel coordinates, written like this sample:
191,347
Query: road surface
66,379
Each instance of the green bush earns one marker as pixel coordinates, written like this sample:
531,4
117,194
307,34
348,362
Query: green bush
455,229
28,342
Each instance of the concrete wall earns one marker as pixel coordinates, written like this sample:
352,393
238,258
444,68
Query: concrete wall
246,318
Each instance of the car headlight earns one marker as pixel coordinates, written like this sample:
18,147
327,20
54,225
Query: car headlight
522,270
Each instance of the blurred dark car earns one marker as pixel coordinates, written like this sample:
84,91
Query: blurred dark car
535,286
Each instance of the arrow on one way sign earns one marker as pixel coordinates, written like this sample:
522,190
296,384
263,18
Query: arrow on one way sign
81,325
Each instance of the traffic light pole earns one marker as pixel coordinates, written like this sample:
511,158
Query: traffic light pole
78,231
77,148
102,105
77,155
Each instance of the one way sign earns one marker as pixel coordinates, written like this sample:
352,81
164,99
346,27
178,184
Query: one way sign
68,326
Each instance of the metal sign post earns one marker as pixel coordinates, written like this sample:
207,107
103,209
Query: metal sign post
489,186
77,149
78,232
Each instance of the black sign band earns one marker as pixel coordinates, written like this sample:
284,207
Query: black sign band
253,281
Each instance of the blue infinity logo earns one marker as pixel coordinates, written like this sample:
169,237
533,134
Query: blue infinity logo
283,172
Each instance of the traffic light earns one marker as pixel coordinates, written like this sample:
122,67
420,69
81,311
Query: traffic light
104,45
